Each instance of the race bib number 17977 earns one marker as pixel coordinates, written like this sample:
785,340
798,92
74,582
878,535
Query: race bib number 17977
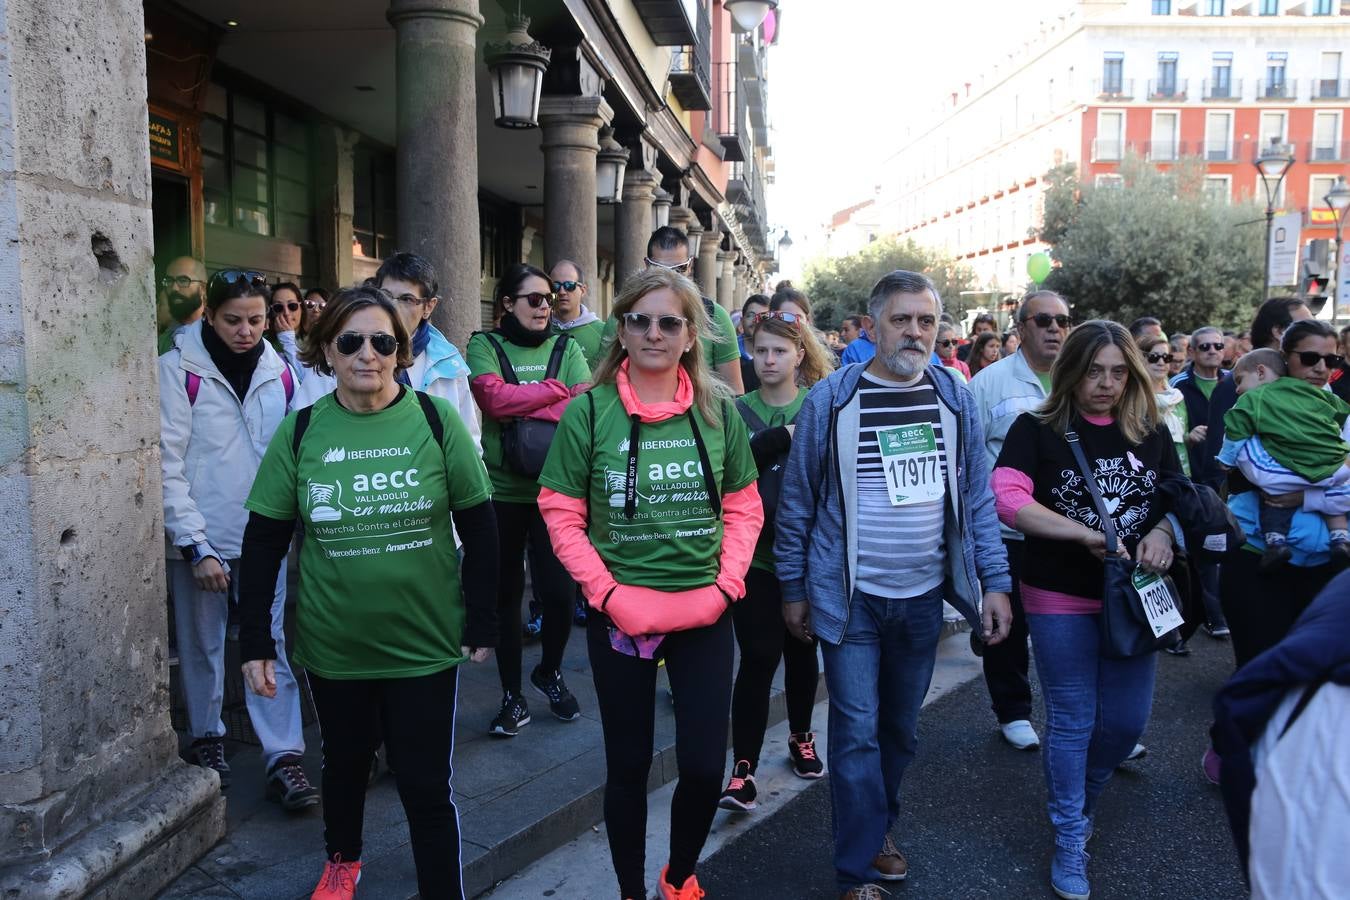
912,463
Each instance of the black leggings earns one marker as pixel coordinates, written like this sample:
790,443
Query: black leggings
415,717
764,639
518,523
698,663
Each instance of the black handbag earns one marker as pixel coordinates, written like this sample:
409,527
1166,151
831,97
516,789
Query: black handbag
1125,627
525,442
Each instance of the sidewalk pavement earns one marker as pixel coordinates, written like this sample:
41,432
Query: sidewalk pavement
519,798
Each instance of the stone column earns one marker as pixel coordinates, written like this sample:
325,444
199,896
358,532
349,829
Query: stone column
740,282
632,224
571,139
706,267
680,217
726,281
93,797
335,209
437,157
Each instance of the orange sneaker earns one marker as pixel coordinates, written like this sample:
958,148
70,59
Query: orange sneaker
338,881
687,891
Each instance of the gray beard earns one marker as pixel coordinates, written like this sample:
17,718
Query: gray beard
900,365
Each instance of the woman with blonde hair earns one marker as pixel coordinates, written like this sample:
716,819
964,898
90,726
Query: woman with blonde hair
650,501
786,370
1102,404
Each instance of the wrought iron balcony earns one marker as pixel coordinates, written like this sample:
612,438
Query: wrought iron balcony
730,114
1114,88
691,68
1167,90
1334,151
1222,89
1331,89
667,22
1283,89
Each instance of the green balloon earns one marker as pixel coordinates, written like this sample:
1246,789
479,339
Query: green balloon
1038,266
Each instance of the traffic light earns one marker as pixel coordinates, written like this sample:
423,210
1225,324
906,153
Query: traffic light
1316,278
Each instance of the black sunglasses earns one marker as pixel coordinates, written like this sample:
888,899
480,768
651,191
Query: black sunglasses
948,343
1309,358
350,342
1043,320
230,276
293,306
1156,358
536,299
639,323
568,286
315,304
1205,348
182,281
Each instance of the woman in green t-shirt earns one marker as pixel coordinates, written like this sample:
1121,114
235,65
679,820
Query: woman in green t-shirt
523,376
787,362
376,473
649,495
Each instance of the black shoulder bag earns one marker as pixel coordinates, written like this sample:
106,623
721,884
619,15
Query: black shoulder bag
525,442
770,483
1130,605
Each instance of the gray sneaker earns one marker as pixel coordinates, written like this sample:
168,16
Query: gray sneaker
209,753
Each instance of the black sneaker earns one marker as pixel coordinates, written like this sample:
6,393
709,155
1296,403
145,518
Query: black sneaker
802,753
740,793
513,716
287,785
1218,632
209,753
1180,648
560,700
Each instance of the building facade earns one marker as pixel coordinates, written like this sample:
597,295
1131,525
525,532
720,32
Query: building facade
1100,79
306,140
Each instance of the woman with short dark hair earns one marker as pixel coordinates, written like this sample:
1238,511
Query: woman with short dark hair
387,612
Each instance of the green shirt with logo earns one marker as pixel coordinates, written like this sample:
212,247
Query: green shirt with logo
716,350
773,417
530,364
674,540
589,339
379,575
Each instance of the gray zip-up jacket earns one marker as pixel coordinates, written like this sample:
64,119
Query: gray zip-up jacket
816,543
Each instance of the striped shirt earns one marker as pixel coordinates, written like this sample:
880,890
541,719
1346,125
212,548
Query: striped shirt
900,552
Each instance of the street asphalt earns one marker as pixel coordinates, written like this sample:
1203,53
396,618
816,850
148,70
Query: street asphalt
974,825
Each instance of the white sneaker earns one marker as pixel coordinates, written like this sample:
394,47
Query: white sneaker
1020,735
1139,752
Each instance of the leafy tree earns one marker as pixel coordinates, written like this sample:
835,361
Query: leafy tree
1155,245
839,287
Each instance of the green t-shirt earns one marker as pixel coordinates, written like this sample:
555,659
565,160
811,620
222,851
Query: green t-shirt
674,540
1044,379
379,575
1206,385
774,417
715,352
530,364
588,338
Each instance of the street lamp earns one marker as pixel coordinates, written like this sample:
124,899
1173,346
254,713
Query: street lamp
749,14
1274,163
661,203
610,164
1338,198
517,63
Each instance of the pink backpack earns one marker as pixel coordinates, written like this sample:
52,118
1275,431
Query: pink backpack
192,382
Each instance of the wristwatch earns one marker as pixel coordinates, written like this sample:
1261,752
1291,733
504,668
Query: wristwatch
195,553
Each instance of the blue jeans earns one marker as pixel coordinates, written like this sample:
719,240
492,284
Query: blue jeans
1095,710
877,679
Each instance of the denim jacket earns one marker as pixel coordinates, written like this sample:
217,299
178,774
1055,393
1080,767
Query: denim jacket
816,542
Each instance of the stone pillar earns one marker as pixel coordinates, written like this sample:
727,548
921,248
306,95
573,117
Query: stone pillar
740,282
571,139
706,267
93,797
726,281
680,217
334,209
437,159
632,224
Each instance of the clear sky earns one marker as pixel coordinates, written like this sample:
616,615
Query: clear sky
844,76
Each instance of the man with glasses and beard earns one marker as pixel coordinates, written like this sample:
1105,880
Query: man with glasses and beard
885,512
1004,390
182,297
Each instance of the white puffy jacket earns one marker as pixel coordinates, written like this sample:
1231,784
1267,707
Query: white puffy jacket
210,450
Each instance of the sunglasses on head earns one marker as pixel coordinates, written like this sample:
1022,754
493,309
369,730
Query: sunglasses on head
1156,358
1309,358
293,306
1205,348
790,318
638,324
230,276
676,267
350,342
1043,320
180,281
536,299
568,286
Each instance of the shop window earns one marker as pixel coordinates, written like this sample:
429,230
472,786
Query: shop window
255,167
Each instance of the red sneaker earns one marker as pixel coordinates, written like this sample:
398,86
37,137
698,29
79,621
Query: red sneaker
338,881
687,891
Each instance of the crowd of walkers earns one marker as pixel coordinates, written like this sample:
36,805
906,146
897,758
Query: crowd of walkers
684,485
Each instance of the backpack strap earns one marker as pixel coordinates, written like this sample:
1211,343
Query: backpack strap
288,382
713,488
301,423
192,383
508,371
708,306
555,359
433,418
751,417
